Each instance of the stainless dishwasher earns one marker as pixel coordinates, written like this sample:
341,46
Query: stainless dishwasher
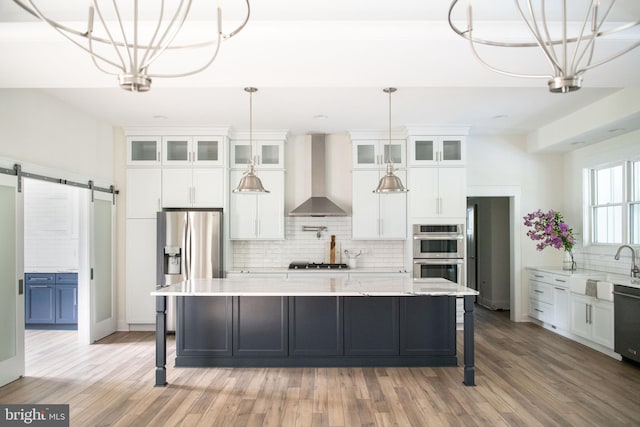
626,305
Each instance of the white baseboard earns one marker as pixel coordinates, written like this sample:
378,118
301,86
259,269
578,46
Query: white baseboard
142,327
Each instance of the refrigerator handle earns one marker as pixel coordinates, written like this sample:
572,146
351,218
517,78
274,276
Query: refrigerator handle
186,244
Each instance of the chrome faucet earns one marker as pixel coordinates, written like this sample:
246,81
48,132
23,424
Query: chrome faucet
635,271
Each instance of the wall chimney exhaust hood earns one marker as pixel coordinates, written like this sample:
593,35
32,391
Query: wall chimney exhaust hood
318,204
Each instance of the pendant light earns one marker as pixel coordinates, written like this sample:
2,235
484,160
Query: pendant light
250,183
390,183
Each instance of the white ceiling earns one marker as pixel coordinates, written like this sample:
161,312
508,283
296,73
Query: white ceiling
330,59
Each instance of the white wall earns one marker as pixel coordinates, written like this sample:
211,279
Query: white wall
39,129
501,166
497,161
624,147
51,227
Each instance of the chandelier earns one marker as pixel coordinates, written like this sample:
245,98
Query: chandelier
124,40
568,47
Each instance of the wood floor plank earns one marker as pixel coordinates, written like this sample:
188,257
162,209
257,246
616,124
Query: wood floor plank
525,376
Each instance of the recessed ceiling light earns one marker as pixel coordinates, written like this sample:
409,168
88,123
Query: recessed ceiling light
500,116
321,117
159,117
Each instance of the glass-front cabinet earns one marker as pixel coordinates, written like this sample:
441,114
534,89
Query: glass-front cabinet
191,150
267,154
368,154
436,150
143,150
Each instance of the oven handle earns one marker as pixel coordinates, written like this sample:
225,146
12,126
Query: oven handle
446,261
626,295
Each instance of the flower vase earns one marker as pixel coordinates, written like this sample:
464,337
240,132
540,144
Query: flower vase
567,262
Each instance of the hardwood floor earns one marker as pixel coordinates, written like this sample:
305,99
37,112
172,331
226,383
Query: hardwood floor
525,376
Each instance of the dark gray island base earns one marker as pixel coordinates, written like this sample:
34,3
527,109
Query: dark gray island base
315,331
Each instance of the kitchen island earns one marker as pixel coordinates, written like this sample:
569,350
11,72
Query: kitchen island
315,322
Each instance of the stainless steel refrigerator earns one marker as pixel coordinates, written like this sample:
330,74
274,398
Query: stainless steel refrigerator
189,247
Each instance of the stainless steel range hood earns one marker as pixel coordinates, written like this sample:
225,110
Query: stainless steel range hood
318,204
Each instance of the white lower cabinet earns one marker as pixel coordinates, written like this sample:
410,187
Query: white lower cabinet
592,319
377,216
549,298
140,272
260,216
193,187
541,301
561,307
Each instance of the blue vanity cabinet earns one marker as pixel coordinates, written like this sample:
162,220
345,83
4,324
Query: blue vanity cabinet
51,300
40,298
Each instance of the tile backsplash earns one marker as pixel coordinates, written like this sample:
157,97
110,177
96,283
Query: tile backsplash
305,246
601,259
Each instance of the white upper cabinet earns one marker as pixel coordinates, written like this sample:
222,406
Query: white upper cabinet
377,216
193,187
259,216
437,192
143,151
436,150
374,154
143,192
193,150
267,154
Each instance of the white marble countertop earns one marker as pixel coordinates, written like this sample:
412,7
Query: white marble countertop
248,286
603,276
286,270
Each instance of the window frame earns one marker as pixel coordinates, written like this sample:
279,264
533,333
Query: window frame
629,185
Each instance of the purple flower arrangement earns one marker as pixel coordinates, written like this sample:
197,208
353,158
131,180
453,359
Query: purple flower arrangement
549,229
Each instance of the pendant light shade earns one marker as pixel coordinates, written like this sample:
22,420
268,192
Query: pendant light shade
250,183
390,183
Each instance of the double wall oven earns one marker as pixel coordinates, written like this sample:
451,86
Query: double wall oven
438,251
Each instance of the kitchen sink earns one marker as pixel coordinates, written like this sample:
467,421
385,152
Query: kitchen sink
603,287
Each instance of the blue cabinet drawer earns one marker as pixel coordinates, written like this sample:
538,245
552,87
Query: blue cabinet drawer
67,278
40,278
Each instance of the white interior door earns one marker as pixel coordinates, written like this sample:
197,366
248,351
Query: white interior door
102,292
11,272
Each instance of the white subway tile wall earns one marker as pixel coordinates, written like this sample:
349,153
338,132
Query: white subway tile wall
306,246
601,259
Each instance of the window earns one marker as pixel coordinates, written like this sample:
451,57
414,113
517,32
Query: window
634,204
615,203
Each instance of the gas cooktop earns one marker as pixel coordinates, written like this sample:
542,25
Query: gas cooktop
301,265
